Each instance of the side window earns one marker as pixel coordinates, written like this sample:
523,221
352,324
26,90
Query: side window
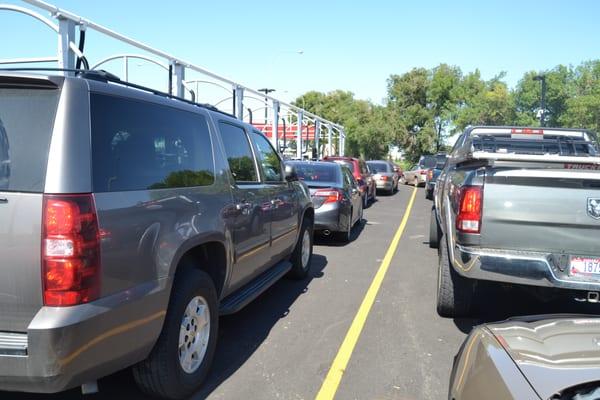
347,178
416,167
269,161
239,153
139,146
364,170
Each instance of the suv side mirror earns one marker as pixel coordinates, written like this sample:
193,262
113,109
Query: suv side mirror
290,173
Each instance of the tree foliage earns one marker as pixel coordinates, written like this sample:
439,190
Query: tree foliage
425,106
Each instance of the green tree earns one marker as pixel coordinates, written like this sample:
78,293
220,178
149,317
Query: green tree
583,106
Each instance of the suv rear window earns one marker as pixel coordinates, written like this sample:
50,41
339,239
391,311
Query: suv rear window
139,146
26,122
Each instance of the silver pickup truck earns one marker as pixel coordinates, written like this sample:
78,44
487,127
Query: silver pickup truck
519,206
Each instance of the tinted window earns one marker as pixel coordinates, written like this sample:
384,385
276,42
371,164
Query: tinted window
269,160
322,173
363,168
348,178
378,167
25,138
346,163
138,146
239,153
427,161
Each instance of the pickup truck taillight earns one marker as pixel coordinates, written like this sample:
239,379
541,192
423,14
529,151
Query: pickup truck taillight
429,174
470,208
70,250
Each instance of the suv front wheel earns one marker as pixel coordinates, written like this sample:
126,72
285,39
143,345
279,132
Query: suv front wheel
181,358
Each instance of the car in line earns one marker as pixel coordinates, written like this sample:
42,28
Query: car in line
433,173
517,207
386,179
135,221
417,175
544,357
335,195
362,174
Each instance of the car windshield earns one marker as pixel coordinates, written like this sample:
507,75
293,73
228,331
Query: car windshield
323,173
378,167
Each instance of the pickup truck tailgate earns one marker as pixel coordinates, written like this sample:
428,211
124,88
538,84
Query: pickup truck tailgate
546,210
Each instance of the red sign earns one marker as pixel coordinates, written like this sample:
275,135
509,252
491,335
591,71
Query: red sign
290,131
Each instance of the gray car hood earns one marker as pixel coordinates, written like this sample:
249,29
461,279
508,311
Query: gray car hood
553,352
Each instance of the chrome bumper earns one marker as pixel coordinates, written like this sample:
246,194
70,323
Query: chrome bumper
518,267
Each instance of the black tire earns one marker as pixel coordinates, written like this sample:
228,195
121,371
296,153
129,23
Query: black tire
366,200
429,194
299,269
454,292
161,374
435,231
346,235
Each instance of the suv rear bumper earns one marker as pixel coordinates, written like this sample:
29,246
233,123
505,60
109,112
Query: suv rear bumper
66,347
517,267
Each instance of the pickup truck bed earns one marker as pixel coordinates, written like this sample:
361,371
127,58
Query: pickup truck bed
508,213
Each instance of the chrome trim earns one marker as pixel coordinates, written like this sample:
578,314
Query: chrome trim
515,266
13,344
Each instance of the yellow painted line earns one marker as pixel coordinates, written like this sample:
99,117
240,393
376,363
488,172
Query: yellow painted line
334,376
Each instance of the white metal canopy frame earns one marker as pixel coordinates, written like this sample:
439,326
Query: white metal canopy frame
69,55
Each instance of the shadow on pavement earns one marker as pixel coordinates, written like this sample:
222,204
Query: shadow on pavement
240,335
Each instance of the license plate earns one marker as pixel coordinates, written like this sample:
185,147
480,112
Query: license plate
584,266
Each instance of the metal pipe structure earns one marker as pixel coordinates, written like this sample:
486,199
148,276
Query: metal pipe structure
68,52
299,135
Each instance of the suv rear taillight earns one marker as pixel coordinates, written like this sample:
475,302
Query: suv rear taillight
429,174
470,209
70,250
329,195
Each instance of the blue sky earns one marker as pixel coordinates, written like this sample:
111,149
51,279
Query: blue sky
347,45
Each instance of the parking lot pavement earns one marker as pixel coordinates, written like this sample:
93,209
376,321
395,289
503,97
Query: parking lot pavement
282,345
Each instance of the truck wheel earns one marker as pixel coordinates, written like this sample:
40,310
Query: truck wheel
429,194
183,354
302,255
434,230
454,292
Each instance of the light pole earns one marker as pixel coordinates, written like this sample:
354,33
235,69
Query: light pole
542,78
266,91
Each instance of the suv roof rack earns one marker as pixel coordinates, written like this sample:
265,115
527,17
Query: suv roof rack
101,75
70,56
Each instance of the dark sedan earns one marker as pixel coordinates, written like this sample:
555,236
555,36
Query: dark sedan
433,173
335,195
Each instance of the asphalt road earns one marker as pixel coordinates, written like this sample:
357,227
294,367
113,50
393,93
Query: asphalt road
282,345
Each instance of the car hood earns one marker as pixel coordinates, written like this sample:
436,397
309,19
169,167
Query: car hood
553,352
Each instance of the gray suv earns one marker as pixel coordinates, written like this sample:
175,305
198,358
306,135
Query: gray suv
129,221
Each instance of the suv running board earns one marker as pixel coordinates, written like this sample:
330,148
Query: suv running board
241,297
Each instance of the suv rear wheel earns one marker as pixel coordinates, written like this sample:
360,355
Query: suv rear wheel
454,292
434,230
181,358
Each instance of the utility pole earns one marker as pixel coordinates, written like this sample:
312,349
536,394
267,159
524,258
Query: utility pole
266,91
542,78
